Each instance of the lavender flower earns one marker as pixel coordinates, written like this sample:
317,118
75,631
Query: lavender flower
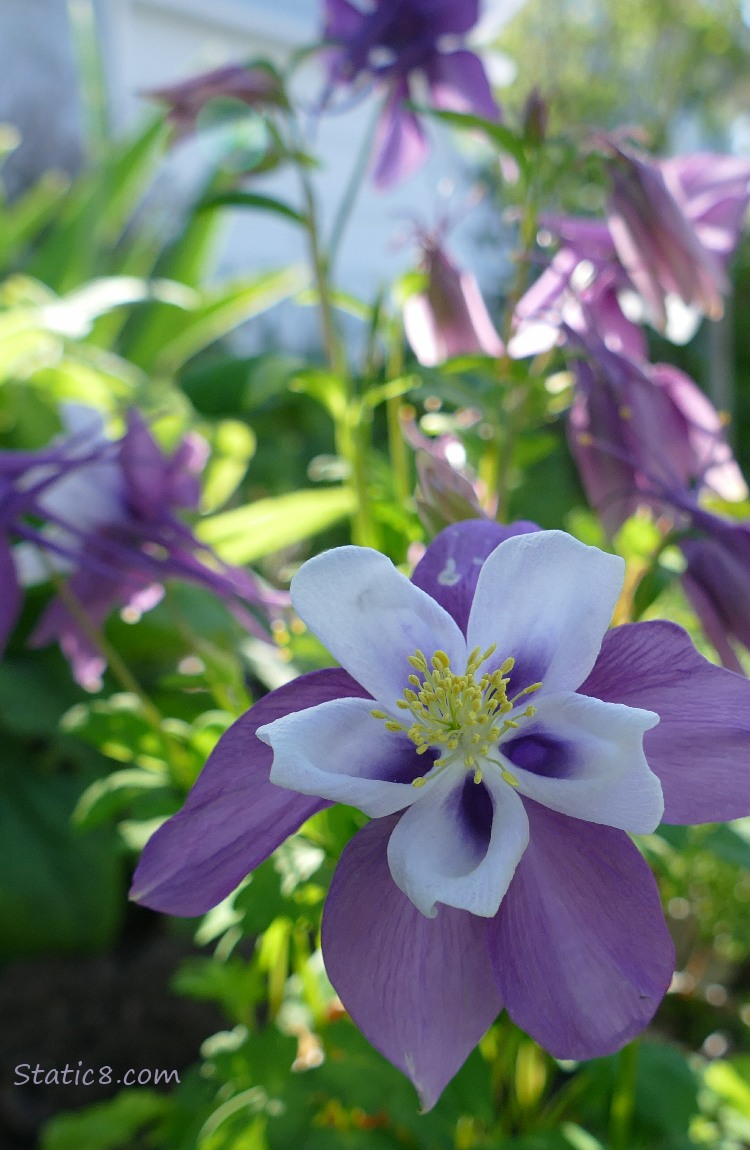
449,317
671,228
675,223
504,745
111,529
256,85
394,43
639,433
579,292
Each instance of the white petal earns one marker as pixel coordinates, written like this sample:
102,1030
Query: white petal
372,618
546,600
338,751
434,856
606,778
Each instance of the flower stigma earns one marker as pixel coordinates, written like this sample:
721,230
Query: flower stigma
461,715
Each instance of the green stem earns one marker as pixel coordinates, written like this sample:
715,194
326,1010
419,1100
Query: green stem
396,442
347,444
623,1098
115,663
352,190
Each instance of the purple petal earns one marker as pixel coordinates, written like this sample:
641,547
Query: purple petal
400,144
420,989
343,20
716,628
459,83
581,953
699,750
449,569
233,817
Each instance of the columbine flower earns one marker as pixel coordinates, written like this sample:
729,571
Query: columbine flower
395,43
639,433
716,578
675,223
449,317
579,292
495,734
256,85
110,527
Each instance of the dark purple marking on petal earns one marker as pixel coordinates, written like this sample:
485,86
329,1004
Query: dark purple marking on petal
581,952
233,818
701,747
403,764
475,813
542,755
449,569
420,989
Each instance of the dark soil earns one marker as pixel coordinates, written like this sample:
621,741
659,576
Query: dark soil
113,1010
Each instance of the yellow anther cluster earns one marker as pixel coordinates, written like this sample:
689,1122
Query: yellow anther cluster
462,716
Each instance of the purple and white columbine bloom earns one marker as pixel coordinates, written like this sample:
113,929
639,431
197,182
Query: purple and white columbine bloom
504,744
396,44
110,526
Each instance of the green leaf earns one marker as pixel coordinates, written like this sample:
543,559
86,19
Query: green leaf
327,389
59,890
107,797
239,199
729,1084
730,842
226,385
248,533
499,134
232,448
221,312
650,587
113,1125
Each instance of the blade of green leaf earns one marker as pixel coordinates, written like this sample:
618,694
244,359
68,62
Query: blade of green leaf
248,533
238,199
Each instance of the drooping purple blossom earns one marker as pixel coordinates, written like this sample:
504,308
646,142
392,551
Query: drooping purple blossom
256,85
672,226
578,292
675,223
111,530
398,44
716,577
504,744
449,318
640,432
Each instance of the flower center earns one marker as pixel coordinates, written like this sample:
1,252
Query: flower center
461,715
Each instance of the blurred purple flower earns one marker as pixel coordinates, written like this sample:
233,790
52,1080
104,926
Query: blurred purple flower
497,869
110,528
395,43
640,432
716,578
578,292
257,85
675,223
449,317
672,227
